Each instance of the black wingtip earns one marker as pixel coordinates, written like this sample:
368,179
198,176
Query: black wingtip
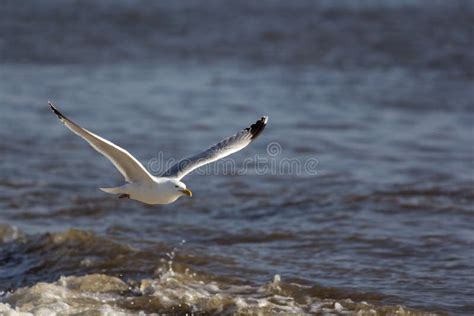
55,111
258,127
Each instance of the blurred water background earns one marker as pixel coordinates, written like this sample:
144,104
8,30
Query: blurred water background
379,92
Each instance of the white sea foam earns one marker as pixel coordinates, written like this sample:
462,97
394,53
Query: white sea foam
169,293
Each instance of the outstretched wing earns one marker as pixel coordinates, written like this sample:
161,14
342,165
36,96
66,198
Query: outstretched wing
220,150
129,167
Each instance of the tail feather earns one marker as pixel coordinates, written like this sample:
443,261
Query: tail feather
116,190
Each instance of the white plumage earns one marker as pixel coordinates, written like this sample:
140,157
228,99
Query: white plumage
146,188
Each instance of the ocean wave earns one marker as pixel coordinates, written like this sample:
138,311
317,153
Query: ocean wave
176,293
75,272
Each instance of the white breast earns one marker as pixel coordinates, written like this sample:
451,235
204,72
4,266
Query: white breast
155,193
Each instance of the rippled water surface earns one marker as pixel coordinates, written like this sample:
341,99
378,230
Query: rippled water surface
380,93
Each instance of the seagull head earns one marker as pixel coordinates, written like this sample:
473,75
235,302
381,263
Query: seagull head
180,188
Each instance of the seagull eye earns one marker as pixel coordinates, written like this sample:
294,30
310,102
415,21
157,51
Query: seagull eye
176,186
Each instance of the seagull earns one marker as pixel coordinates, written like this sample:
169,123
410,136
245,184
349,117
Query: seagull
140,184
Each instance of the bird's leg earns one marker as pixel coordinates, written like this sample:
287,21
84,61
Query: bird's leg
124,196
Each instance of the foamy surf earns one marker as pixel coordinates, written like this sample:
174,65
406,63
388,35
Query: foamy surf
170,287
174,292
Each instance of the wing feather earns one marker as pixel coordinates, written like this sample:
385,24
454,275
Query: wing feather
218,151
129,166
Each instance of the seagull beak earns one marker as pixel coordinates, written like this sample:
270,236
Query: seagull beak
187,192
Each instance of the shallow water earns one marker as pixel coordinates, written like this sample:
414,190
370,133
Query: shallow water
383,222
